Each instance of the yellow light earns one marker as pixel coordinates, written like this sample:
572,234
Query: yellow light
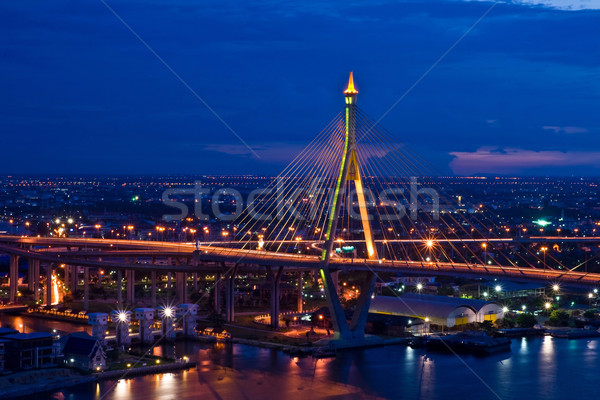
429,243
158,361
351,89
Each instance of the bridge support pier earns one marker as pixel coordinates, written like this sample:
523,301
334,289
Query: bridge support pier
341,330
275,279
35,280
153,288
49,284
300,290
120,287
13,278
86,288
74,279
181,287
130,277
195,278
169,284
230,296
30,273
217,293
361,311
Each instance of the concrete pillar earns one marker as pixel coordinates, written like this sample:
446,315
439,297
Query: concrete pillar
36,280
195,278
145,316
181,286
13,278
300,289
30,273
122,321
168,316
48,284
74,279
217,293
361,311
67,276
130,277
119,287
338,317
99,323
275,278
187,313
86,288
230,296
153,287
335,277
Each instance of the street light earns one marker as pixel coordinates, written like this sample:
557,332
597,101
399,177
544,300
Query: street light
555,287
543,249
484,245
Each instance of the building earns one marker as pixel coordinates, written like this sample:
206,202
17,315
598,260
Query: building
438,310
29,350
84,352
3,343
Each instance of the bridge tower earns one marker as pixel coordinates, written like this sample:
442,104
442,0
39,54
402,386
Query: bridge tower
349,171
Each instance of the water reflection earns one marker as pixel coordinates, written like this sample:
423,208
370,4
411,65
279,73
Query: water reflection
535,368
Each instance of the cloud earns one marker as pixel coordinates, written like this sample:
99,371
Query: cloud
565,129
270,152
563,4
569,5
494,160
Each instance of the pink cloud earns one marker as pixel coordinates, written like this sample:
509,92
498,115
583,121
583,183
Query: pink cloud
494,160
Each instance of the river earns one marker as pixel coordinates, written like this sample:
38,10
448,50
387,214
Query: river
544,367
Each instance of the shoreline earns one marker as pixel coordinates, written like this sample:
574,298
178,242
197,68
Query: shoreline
24,390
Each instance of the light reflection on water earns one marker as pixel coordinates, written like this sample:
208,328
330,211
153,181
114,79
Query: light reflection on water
535,368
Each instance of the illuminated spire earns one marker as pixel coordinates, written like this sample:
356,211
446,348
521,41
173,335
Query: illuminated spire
351,89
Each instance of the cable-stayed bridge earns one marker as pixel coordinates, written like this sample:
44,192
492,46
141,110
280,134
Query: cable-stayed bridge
349,201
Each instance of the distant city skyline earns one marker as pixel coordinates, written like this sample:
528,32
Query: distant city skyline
83,95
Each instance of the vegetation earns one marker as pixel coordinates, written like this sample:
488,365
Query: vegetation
559,318
506,323
526,320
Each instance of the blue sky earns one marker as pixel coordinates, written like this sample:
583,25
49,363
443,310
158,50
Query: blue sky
519,95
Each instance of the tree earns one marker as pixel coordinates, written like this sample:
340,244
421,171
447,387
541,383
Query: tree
526,320
590,314
558,318
505,323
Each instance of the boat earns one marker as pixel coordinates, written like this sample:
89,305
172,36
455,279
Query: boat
478,344
575,334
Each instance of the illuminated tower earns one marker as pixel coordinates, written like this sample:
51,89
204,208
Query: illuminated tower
349,171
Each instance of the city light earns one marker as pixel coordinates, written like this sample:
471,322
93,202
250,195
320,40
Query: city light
498,288
555,287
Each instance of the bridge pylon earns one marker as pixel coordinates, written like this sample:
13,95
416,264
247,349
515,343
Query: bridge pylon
349,171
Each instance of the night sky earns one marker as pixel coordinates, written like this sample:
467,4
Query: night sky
80,93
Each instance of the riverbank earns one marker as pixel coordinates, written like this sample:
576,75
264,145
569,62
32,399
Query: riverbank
26,383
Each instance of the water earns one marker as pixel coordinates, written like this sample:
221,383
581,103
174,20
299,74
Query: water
535,368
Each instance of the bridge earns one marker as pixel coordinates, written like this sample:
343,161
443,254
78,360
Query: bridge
295,224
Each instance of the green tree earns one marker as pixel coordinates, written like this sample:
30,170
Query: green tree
526,320
505,323
559,318
590,314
